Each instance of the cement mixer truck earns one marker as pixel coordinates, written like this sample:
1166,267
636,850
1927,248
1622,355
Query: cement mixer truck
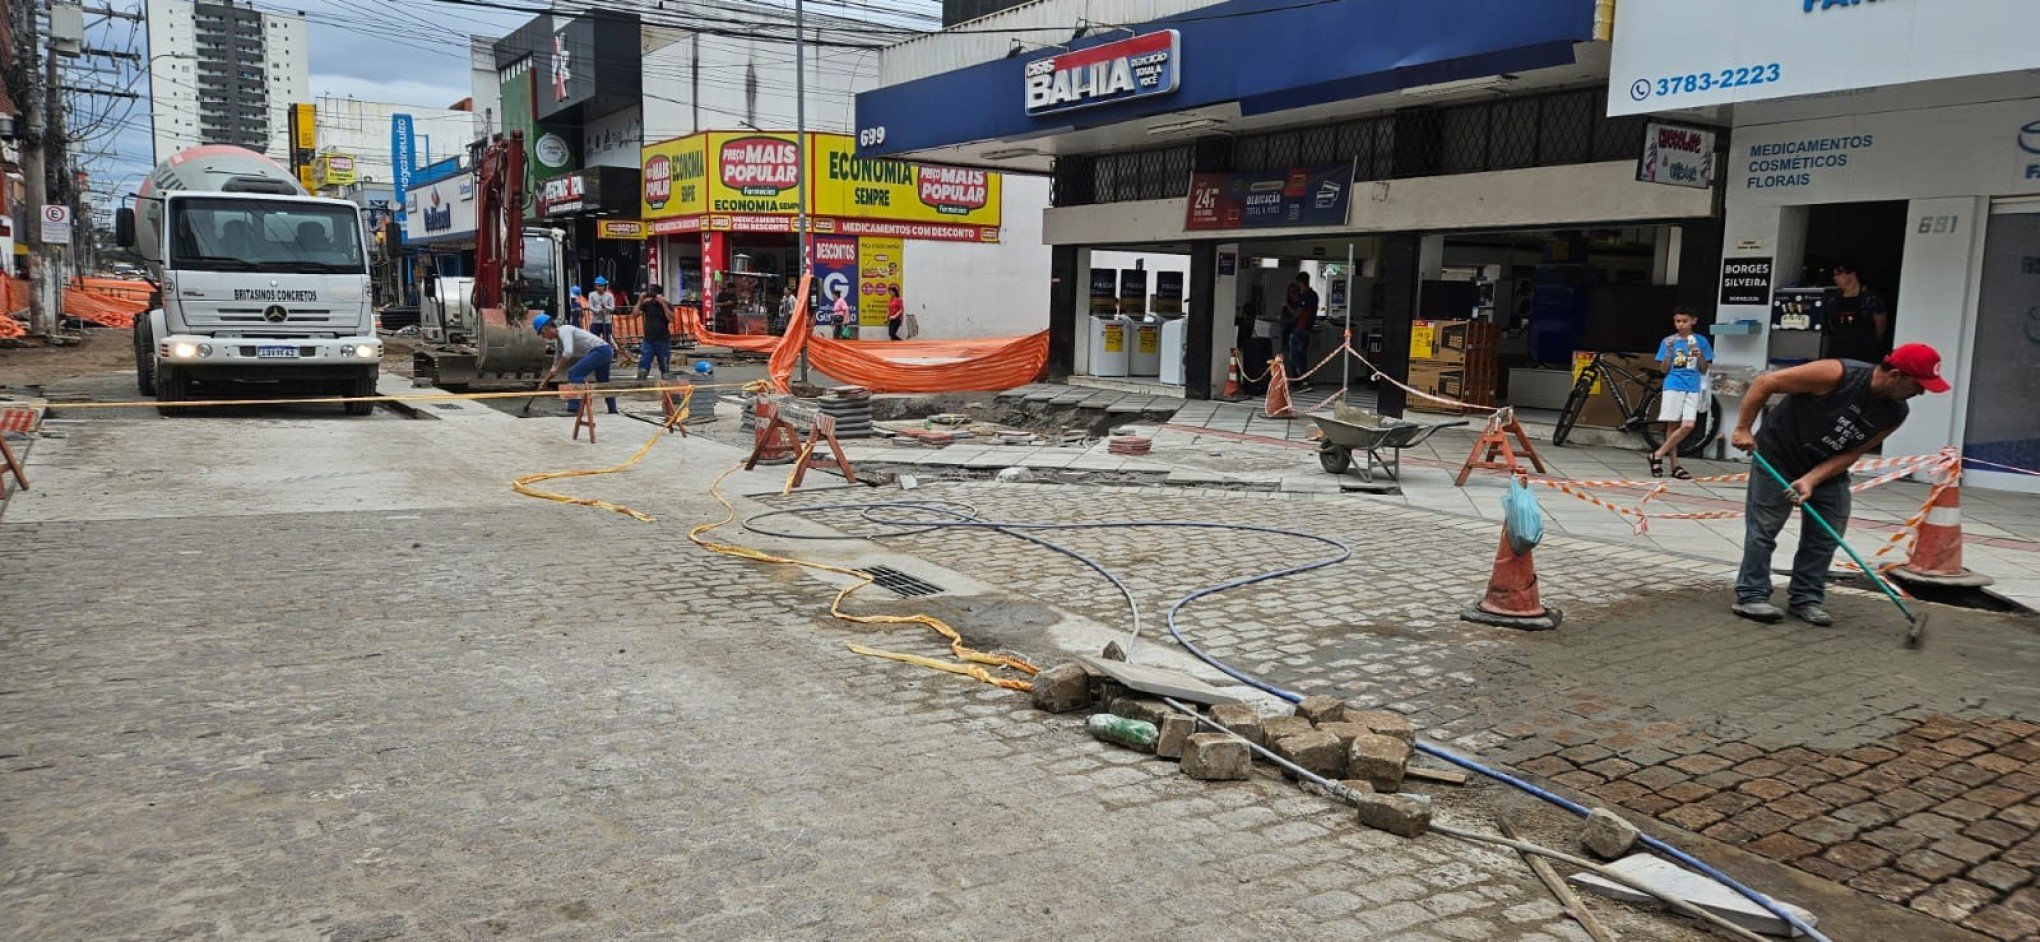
256,281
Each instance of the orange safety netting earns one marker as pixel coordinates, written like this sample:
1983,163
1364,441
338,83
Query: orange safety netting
906,366
107,302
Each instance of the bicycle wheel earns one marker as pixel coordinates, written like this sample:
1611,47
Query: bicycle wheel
1706,425
1575,403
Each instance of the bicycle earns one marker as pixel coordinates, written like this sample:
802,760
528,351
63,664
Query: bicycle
1644,417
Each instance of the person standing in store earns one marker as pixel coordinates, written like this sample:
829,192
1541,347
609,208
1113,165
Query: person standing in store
657,345
1834,412
1858,322
895,312
601,308
1299,316
839,313
788,303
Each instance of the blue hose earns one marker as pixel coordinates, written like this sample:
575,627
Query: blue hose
960,516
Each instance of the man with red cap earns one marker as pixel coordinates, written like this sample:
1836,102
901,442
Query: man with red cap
1833,412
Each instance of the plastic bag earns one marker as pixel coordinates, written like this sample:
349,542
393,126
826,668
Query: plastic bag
1521,519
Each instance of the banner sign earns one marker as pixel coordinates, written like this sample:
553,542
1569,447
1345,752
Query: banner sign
1168,292
1746,281
676,178
1672,56
1133,290
754,173
621,229
441,210
1104,290
1677,156
835,271
879,269
850,187
403,158
1136,67
1303,196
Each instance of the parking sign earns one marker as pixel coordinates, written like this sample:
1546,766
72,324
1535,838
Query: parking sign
56,225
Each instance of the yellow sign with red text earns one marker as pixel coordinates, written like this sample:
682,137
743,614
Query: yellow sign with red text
880,271
749,182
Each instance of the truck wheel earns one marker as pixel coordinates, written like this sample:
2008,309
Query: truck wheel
145,357
363,385
172,385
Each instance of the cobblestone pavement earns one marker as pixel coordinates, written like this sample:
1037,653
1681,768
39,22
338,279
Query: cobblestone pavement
312,680
1908,776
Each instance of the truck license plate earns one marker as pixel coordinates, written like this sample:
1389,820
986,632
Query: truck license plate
275,351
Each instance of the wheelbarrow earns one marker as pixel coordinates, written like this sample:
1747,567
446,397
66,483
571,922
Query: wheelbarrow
1380,439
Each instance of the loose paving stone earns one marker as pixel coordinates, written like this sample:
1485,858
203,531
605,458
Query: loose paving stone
1607,834
1216,757
1401,815
1315,752
1319,708
1175,730
1378,760
1063,688
1276,728
1241,718
1383,723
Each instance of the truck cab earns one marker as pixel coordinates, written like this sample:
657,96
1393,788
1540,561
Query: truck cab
256,281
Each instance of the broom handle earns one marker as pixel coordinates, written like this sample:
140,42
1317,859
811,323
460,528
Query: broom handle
1815,516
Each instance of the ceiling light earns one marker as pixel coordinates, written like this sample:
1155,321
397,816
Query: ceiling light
1193,124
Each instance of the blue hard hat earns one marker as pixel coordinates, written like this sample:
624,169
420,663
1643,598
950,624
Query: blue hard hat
538,323
575,290
600,281
703,366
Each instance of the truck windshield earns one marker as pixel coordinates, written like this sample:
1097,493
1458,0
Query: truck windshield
540,284
265,236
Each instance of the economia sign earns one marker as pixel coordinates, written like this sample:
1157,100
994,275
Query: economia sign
1135,67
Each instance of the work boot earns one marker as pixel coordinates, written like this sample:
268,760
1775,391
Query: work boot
642,375
1813,614
1758,611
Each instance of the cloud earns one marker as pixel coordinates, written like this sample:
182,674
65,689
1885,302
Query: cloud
404,91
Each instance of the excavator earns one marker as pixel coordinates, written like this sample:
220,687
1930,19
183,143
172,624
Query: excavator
478,329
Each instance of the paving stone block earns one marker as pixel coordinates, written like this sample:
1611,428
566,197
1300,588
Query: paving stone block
1316,752
1319,708
1145,709
1345,731
1277,728
1216,757
2000,922
1378,759
1062,689
1607,834
1889,884
1175,731
1401,815
1931,866
1241,718
1382,723
1782,846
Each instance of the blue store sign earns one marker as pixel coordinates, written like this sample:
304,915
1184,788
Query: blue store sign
1137,67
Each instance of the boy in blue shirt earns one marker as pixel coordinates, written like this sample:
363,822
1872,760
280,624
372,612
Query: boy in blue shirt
1684,357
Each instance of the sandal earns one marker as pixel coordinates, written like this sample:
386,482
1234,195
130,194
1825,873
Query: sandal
1682,474
1657,466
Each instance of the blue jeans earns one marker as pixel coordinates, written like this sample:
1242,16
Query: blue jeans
1767,508
596,364
1299,353
650,350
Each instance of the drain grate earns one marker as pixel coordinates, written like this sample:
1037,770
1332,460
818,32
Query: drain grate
899,583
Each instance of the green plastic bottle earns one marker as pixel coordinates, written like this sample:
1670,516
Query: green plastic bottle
1136,734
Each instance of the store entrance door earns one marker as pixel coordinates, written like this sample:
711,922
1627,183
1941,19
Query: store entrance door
2004,375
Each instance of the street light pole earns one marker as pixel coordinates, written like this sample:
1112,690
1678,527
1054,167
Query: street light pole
800,151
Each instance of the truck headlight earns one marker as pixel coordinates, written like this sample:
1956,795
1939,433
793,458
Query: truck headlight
205,349
365,350
183,351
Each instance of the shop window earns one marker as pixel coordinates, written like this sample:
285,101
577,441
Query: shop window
1514,130
1462,141
1565,128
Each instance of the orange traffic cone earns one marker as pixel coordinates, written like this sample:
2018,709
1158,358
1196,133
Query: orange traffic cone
1232,376
1511,600
1937,549
1279,406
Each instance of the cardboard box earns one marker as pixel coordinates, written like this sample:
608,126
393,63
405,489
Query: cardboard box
1602,410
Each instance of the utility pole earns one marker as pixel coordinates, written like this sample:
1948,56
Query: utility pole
800,151
31,95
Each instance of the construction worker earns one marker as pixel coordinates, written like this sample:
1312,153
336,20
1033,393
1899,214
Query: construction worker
580,353
601,308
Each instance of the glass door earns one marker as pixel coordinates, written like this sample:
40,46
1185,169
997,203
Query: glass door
2004,375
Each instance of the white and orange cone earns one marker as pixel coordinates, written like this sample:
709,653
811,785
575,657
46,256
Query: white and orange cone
1279,406
1232,376
1511,600
1937,548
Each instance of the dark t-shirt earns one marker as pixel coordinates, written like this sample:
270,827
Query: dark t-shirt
658,322
1304,310
1803,430
1852,327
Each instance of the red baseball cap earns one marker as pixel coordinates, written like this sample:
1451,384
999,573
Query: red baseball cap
1920,362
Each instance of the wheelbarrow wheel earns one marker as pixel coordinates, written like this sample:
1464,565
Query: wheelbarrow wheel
1335,458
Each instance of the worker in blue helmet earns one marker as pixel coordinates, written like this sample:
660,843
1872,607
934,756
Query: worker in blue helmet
582,354
577,306
601,308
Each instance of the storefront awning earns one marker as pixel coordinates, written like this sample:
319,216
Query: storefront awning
1266,55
